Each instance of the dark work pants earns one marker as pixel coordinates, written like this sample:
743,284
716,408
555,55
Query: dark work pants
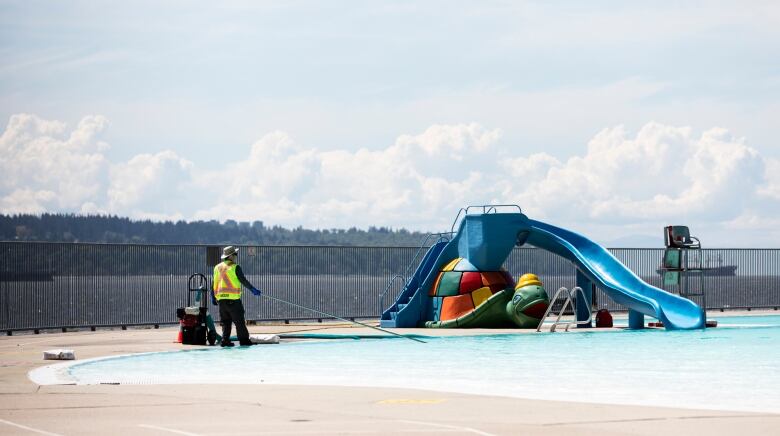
232,311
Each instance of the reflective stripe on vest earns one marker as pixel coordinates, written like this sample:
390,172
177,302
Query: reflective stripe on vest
226,284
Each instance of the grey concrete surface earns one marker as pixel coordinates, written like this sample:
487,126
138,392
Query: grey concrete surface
27,409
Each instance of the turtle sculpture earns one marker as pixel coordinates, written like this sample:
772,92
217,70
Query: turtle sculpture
463,297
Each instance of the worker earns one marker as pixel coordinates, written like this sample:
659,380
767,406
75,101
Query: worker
228,279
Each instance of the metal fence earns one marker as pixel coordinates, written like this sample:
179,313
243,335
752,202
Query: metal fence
733,278
58,285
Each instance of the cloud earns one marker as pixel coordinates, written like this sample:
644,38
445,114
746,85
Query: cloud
159,179
48,168
418,174
622,181
45,168
451,140
771,191
26,201
660,172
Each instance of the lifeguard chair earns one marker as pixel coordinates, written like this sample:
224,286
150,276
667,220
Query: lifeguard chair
677,265
680,237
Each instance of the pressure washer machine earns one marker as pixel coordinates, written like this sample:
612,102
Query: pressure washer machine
197,327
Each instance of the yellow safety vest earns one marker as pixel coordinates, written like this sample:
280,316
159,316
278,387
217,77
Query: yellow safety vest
226,285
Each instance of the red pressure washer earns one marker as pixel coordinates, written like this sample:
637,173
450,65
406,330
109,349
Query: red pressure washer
196,326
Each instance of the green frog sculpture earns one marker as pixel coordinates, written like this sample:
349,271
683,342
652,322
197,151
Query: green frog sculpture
462,297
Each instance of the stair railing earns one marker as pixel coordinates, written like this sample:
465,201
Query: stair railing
570,298
387,288
486,208
405,276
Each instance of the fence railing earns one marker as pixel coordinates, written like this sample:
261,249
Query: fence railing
73,285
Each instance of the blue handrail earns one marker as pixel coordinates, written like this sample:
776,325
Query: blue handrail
382,296
444,236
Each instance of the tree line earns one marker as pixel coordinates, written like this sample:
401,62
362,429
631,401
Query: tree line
141,255
114,229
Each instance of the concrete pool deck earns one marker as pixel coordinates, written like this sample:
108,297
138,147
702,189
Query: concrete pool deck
27,408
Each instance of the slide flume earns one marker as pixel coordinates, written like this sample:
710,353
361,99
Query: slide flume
619,282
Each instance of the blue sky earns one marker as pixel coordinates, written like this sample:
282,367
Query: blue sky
612,118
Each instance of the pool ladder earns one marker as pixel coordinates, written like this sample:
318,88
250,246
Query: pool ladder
569,299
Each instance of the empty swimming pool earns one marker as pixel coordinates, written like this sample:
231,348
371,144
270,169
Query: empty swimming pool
732,367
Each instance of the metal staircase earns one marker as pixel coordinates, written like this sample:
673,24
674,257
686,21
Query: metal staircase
410,281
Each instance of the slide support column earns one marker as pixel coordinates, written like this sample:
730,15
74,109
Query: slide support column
584,304
636,320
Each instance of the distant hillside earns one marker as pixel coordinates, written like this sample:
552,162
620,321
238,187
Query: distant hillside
96,228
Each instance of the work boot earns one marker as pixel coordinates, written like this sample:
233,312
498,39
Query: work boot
246,344
226,344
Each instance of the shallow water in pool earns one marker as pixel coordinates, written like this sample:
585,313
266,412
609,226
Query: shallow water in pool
733,367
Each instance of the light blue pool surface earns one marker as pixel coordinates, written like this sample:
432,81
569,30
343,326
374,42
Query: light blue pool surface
735,366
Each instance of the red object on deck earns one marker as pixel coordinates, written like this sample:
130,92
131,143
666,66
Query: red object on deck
603,318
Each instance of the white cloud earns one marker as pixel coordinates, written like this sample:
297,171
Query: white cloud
159,180
622,182
408,180
26,201
45,169
451,140
657,174
772,188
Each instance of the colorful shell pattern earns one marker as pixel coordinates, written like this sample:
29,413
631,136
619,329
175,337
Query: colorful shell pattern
460,288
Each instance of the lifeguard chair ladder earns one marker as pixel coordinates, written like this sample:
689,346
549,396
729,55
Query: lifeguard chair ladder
676,266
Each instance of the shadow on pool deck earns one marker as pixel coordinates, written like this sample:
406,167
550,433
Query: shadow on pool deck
275,409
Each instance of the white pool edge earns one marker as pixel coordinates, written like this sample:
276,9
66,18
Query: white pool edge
58,374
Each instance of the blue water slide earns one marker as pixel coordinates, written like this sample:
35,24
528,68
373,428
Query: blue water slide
617,281
487,239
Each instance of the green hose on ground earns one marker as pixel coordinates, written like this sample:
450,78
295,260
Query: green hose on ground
212,328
